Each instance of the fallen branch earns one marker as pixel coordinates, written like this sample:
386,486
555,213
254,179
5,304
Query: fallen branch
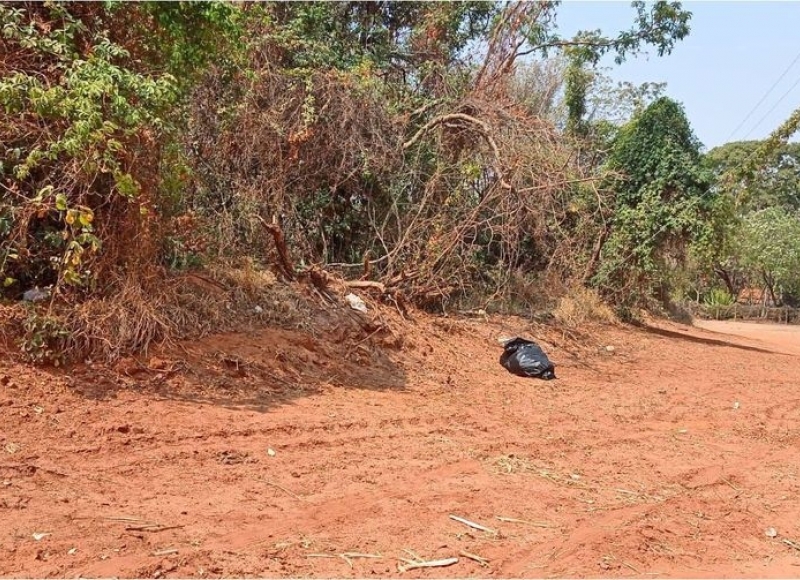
366,284
479,559
473,524
428,564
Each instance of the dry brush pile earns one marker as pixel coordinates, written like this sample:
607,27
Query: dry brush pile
152,211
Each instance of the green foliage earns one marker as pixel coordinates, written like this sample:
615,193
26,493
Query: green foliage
70,121
136,135
662,197
659,24
404,35
742,175
42,339
576,84
718,297
191,35
769,246
775,183
751,177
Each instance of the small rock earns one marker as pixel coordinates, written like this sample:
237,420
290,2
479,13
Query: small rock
771,533
258,310
356,303
736,405
271,452
72,551
610,348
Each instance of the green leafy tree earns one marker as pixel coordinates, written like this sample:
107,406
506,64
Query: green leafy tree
775,184
661,191
749,176
769,245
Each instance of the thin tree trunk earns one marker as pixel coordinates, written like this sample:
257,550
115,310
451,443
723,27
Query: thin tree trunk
770,285
726,279
594,261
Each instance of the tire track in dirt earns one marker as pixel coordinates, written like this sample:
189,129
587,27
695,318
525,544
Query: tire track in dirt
644,466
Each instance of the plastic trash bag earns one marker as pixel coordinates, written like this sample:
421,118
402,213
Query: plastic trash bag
526,359
36,294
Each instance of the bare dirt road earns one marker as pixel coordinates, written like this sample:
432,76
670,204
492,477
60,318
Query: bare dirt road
676,454
781,337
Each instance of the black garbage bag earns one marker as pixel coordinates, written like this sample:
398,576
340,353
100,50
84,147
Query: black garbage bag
527,359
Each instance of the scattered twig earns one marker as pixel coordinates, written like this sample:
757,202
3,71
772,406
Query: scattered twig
427,564
362,555
165,552
632,567
151,528
31,468
472,524
363,340
366,284
479,559
283,489
348,556
526,522
736,489
791,544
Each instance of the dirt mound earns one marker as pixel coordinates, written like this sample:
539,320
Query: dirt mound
323,452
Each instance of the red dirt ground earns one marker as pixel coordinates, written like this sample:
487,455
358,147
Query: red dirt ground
271,454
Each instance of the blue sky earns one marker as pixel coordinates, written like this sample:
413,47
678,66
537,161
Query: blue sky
732,57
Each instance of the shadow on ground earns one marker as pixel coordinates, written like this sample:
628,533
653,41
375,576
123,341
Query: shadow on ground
699,339
253,371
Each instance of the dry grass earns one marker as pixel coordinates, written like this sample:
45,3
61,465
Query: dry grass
508,464
581,306
145,311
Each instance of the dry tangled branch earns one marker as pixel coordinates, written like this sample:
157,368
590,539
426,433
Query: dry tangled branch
452,198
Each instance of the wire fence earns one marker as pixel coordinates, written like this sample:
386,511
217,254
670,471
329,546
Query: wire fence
755,312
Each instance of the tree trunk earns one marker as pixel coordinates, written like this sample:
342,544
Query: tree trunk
769,282
594,261
726,278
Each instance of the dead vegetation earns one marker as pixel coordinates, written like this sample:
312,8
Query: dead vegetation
459,194
581,306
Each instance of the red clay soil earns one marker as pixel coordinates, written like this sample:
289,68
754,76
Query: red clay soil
674,454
